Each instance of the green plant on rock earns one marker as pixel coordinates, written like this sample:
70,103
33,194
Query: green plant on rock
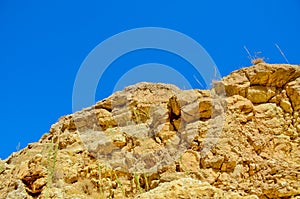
51,164
120,184
146,182
100,182
137,181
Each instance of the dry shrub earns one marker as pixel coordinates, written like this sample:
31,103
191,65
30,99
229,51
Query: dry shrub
257,61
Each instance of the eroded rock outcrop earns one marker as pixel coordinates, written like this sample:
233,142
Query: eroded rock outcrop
149,141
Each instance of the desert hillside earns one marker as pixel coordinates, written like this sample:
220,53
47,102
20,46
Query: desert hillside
241,139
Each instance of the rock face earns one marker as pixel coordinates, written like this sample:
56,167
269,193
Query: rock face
239,140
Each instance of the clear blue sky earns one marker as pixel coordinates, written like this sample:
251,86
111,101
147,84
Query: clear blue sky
43,43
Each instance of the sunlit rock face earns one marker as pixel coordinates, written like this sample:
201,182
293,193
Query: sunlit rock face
238,140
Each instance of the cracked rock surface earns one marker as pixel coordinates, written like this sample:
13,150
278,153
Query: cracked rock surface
157,141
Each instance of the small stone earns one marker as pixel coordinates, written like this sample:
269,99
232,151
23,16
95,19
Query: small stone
260,94
286,106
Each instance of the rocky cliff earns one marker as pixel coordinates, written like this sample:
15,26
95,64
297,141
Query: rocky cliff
241,139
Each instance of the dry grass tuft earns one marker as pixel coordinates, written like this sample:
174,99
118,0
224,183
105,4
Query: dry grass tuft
257,61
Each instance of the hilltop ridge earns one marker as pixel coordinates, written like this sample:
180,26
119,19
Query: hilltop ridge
239,140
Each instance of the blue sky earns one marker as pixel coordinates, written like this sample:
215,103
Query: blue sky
43,44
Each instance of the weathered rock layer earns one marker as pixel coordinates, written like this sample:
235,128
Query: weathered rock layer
148,141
